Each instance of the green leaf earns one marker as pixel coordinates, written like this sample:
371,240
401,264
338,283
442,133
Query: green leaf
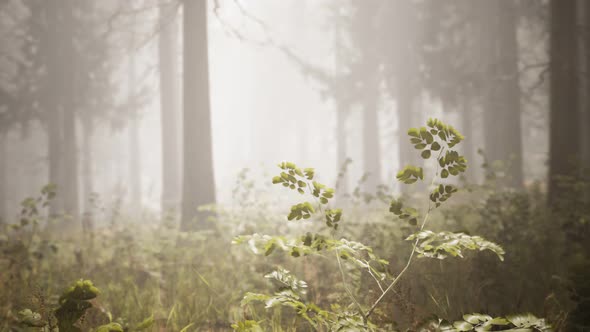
30,318
146,324
414,132
111,327
415,140
441,245
463,326
435,146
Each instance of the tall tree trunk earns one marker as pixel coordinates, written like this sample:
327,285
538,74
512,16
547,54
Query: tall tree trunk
371,142
87,173
467,130
584,107
503,139
134,170
563,121
169,107
70,167
407,155
51,100
198,182
341,158
69,95
3,169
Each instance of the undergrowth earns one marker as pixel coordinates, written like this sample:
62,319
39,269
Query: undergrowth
341,261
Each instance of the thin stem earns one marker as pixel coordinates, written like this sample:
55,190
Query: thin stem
414,246
348,291
346,285
375,277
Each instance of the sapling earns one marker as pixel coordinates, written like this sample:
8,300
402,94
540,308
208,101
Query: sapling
434,141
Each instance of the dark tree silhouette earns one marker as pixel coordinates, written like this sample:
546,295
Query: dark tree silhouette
564,134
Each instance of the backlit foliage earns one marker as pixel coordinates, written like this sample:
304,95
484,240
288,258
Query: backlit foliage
436,139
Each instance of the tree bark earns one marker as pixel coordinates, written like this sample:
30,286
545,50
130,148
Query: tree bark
341,158
503,139
405,100
69,95
169,107
87,173
51,100
467,131
198,182
584,107
563,122
70,167
134,170
371,143
3,169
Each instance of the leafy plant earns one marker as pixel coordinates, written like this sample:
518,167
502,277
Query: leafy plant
72,306
436,140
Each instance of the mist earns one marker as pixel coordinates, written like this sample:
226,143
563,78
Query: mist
358,165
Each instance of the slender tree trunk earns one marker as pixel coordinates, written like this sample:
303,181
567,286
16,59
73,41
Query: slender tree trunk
3,168
503,139
509,93
584,60
564,134
52,101
169,107
341,158
134,160
87,173
70,167
134,170
371,143
198,182
69,95
407,155
467,131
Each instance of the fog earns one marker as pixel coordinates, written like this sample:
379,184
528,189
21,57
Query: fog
144,117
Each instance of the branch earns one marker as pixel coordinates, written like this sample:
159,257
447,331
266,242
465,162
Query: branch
403,271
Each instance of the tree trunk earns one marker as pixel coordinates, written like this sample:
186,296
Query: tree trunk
134,171
371,143
169,108
198,182
467,131
564,133
51,100
503,139
69,94
584,107
407,155
341,158
87,173
3,169
70,167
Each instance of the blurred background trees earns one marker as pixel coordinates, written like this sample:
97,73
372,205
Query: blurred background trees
368,70
152,107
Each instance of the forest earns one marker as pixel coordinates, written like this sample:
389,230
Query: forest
294,165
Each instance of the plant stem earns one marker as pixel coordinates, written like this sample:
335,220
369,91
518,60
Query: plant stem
394,282
346,286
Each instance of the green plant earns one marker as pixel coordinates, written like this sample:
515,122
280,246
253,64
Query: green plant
437,139
71,308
